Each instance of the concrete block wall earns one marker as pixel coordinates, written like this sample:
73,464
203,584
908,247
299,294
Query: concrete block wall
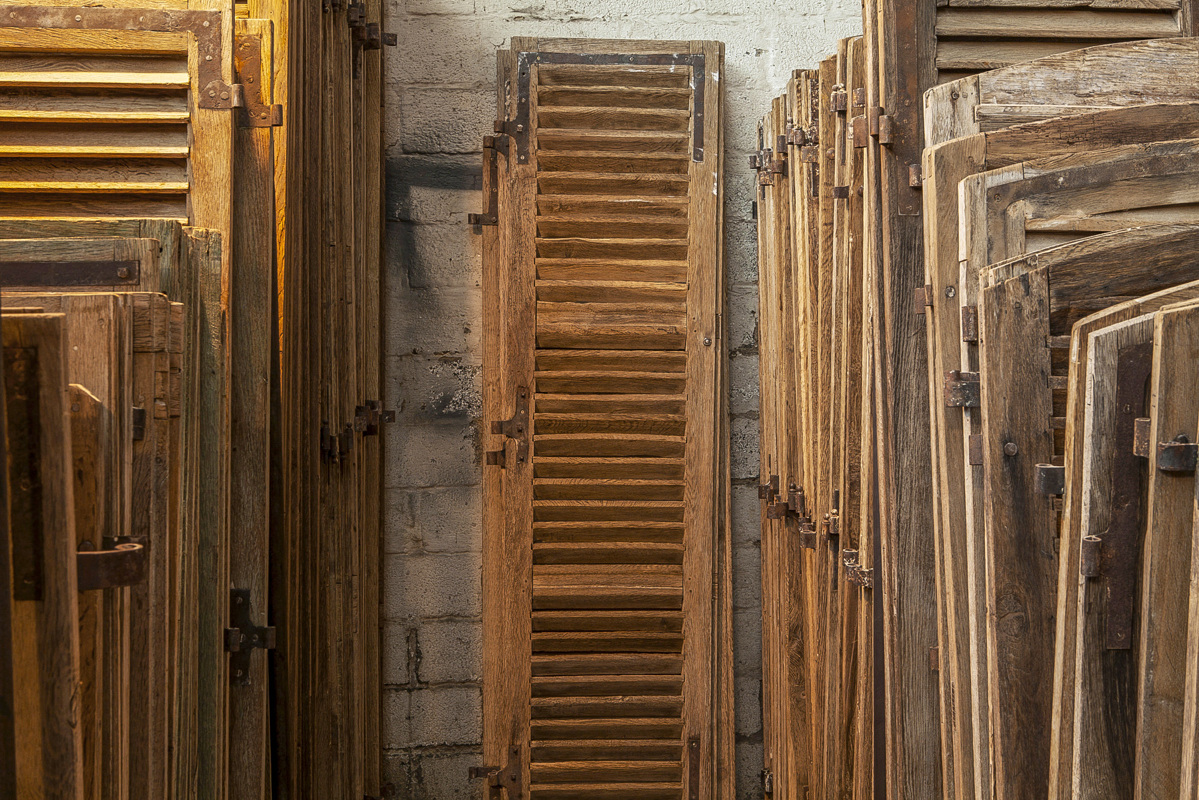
440,101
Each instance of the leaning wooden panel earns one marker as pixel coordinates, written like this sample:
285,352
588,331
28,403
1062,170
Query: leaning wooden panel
1120,74
944,167
45,617
1100,191
113,134
610,630
1053,289
1166,556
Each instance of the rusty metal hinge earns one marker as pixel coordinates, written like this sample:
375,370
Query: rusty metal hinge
119,565
1050,479
840,192
838,100
516,428
884,129
492,147
247,69
962,389
510,778
767,782
832,524
336,446
915,176
924,297
807,534
243,637
860,132
1089,556
969,324
767,165
769,490
855,573
859,98
369,417
1177,455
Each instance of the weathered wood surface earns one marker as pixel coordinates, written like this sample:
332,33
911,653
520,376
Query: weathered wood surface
1166,558
1139,73
628,619
993,227
45,631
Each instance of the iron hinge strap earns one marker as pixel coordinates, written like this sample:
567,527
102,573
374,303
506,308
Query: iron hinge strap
243,637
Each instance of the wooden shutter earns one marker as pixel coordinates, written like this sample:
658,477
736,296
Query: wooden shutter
600,585
45,642
1021,208
1070,83
117,112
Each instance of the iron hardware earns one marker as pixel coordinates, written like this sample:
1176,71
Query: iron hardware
122,565
509,778
1119,556
840,192
859,98
1089,556
915,176
838,99
56,274
860,132
769,490
962,389
1050,479
1178,455
139,424
969,324
1140,437
247,68
491,148
767,782
244,637
693,764
517,426
855,573
369,417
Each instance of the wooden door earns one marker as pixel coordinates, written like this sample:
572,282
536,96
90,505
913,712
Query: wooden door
600,621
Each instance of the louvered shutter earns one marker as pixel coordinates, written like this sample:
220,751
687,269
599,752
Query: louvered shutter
117,112
599,585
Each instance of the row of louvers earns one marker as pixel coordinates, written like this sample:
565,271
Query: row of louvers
189,268
977,333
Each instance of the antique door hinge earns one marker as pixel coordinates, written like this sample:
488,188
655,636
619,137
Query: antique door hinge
769,490
509,778
336,446
767,165
969,324
962,389
492,146
1050,479
369,417
1177,455
838,100
516,428
855,573
243,636
121,565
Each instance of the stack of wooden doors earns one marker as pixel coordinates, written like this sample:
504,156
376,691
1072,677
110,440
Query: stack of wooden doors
176,231
607,639
939,252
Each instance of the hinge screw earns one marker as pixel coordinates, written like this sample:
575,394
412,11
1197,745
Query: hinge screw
951,291
1010,449
707,341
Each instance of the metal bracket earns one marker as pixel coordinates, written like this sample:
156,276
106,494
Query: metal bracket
243,637
516,427
509,778
1050,480
63,274
205,27
915,176
860,131
491,148
970,324
335,447
1140,439
247,68
369,417
1178,455
1119,555
838,100
769,490
693,766
855,573
525,61
885,130
962,389
807,534
122,565
767,166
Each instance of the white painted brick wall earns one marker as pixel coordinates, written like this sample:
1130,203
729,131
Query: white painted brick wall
440,101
